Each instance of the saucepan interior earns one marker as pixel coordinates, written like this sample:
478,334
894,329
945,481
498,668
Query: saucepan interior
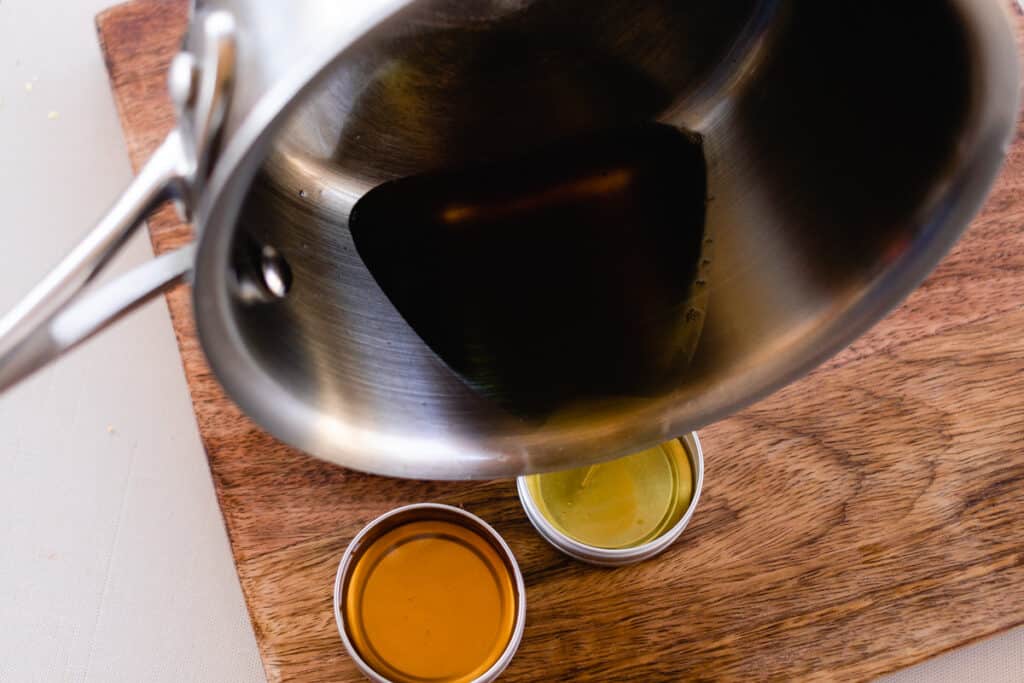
847,147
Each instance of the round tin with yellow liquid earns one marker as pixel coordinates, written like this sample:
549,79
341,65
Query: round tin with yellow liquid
429,592
621,511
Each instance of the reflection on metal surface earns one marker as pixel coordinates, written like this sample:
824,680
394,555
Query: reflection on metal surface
846,151
277,276
838,176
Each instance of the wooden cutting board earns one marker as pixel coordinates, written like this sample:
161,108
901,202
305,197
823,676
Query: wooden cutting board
860,520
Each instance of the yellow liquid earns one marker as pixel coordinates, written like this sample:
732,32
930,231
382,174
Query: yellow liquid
619,504
430,600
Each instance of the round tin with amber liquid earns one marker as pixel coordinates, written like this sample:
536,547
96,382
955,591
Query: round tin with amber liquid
430,593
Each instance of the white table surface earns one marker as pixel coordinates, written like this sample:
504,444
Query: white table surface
115,564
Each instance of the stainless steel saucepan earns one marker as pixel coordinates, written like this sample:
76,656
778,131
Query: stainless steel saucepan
848,145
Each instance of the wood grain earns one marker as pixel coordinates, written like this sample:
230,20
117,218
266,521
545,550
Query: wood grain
858,521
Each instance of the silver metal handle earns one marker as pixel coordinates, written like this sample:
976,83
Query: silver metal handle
55,315
94,311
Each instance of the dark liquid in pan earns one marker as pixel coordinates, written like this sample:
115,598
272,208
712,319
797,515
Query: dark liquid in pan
566,274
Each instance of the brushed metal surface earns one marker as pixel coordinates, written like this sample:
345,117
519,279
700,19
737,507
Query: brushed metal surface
846,151
847,148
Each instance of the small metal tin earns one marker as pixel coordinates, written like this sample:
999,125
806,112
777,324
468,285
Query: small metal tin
613,557
429,512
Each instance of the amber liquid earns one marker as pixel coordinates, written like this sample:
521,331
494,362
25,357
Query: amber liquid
563,275
430,600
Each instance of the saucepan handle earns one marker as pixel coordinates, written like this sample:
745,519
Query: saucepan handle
59,312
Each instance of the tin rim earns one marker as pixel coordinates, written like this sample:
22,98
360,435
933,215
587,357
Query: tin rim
611,557
345,566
